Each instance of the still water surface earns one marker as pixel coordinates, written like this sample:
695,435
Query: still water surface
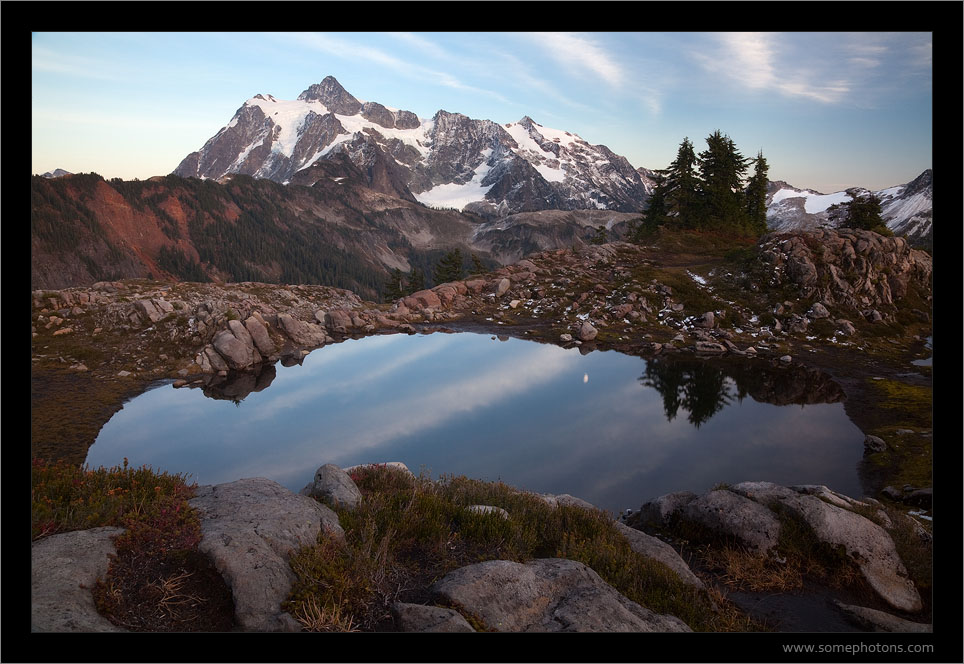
612,429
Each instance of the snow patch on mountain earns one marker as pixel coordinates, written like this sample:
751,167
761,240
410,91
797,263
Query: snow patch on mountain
813,202
457,196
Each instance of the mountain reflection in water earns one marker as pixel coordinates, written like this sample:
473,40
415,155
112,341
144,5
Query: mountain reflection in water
610,428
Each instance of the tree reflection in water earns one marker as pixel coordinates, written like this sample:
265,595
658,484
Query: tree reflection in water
703,387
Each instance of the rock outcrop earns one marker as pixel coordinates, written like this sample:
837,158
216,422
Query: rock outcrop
751,512
848,268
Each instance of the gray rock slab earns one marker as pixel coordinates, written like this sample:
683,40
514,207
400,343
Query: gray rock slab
881,621
548,595
422,618
660,551
660,510
249,528
64,569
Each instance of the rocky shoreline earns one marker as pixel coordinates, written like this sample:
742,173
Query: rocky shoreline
250,527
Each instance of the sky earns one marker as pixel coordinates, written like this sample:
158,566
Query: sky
828,110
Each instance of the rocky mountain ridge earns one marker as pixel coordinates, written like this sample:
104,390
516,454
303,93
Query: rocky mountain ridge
906,209
326,227
449,160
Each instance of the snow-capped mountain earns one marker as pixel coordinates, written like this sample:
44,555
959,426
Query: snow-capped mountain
58,173
446,161
907,209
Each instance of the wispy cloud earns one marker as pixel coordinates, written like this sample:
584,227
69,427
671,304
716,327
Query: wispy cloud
759,62
48,60
347,48
581,53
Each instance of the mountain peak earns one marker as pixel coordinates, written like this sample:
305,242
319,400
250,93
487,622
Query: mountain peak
330,93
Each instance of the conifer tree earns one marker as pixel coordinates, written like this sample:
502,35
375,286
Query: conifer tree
449,268
756,197
394,288
416,281
477,266
682,188
654,216
722,169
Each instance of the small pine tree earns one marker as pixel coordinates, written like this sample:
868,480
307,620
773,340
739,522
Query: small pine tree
477,266
394,288
449,268
416,281
682,189
655,214
756,197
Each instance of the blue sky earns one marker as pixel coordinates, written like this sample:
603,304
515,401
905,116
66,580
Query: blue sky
828,110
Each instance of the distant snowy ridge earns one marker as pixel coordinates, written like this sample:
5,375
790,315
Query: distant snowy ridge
907,209
448,160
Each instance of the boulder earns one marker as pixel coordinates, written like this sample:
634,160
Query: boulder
818,310
259,335
249,528
659,511
586,331
736,516
547,595
64,569
500,287
332,485
707,320
236,346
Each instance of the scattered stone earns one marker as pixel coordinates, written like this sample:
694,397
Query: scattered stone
874,444
565,338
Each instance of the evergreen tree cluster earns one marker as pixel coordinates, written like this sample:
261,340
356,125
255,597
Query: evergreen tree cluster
708,191
450,267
